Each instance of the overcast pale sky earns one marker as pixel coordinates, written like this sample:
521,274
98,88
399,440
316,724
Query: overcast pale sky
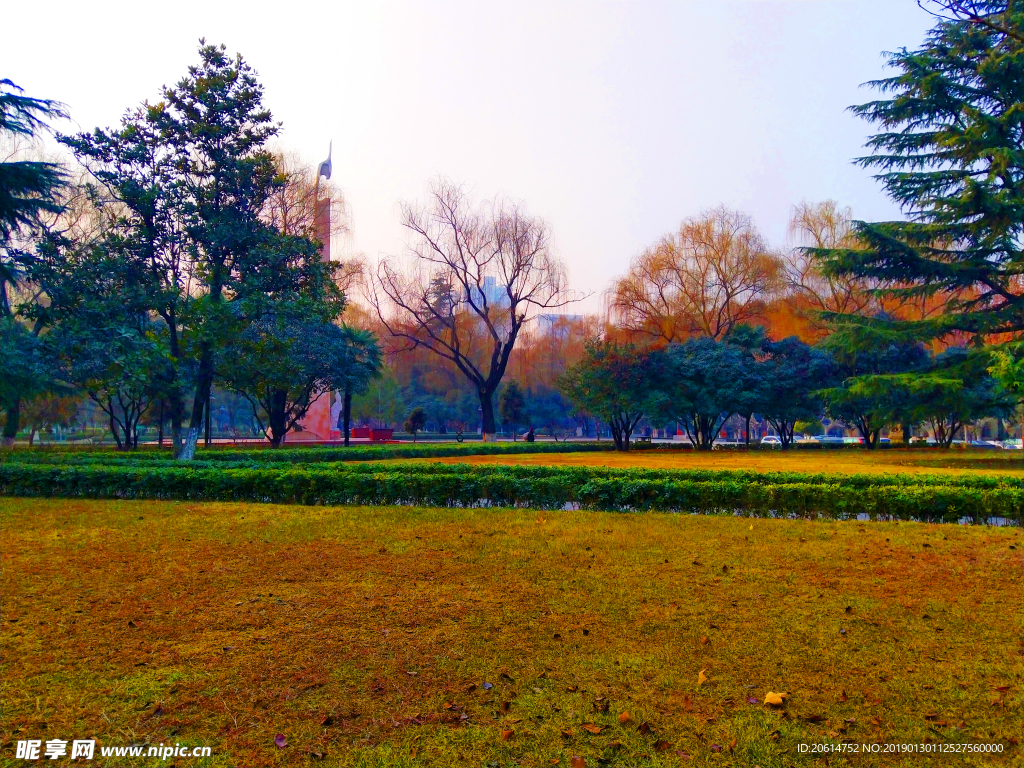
612,120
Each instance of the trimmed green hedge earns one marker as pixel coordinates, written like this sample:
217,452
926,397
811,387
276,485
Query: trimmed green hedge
314,454
547,487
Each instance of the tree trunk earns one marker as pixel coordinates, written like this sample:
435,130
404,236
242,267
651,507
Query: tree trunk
277,417
113,429
160,431
487,416
203,385
206,437
12,424
346,412
177,417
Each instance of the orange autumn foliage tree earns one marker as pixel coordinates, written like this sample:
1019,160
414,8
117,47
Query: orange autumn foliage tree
712,274
810,293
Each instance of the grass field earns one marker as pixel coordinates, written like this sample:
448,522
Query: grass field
370,636
846,461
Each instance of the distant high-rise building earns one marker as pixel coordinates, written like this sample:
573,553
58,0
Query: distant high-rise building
496,295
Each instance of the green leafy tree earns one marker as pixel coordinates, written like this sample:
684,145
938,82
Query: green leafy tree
382,402
282,365
813,427
512,406
793,373
49,411
750,340
416,421
191,180
949,153
875,363
27,373
363,363
707,379
29,191
99,330
618,384
958,390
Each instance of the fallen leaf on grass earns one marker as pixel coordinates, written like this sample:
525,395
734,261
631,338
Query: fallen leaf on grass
815,718
701,677
704,640
281,741
506,735
732,745
568,733
326,720
644,727
624,717
591,728
487,686
716,747
661,745
578,762
774,699
684,755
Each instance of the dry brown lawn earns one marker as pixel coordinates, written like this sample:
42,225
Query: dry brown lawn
405,637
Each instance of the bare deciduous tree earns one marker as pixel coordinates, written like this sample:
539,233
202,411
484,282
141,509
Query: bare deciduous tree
714,273
480,273
824,225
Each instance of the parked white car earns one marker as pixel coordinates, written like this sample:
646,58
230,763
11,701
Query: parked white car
771,441
1013,444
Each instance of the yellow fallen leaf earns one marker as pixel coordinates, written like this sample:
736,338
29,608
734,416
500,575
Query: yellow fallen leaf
624,717
701,677
751,527
592,728
775,699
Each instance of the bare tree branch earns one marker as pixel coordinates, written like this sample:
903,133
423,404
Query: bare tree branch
480,274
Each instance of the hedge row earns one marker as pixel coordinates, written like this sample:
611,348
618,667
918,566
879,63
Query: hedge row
571,474
316,454
504,489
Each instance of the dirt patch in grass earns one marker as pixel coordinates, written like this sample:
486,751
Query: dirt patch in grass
398,636
844,461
